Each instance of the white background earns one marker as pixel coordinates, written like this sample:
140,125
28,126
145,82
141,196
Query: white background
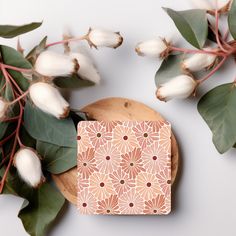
205,196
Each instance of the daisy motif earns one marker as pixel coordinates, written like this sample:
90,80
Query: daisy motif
97,134
157,206
86,163
86,203
156,125
165,135
121,181
82,183
145,134
100,186
108,206
110,125
131,162
83,141
124,138
155,158
147,185
131,203
164,179
107,158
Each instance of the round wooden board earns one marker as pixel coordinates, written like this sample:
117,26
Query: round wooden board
114,109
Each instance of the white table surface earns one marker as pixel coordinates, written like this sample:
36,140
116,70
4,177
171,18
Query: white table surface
205,199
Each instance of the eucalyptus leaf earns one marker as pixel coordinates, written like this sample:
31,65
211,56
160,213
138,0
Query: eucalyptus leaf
3,129
72,82
22,82
56,159
232,19
171,67
47,128
11,31
41,209
218,109
192,24
12,57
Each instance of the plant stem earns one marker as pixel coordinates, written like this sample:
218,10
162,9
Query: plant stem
19,98
23,70
184,50
213,71
7,138
14,82
66,41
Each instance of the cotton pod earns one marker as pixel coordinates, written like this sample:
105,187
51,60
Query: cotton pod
104,38
157,48
87,69
199,61
3,108
48,99
180,87
54,64
28,165
220,5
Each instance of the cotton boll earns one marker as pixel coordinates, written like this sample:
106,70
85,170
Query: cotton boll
87,69
48,99
179,87
28,166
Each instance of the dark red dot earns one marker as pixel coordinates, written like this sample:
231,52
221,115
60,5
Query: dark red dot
122,181
84,204
168,181
78,137
125,137
154,158
149,184
108,211
131,164
84,164
145,135
131,204
102,184
99,135
108,158
154,211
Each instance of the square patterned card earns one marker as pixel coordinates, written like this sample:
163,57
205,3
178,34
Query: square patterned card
124,167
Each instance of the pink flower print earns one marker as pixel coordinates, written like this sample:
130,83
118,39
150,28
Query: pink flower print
82,183
83,141
121,181
100,186
155,158
86,203
97,134
145,134
131,203
110,125
124,138
164,179
107,158
165,135
86,163
157,206
108,206
147,185
131,162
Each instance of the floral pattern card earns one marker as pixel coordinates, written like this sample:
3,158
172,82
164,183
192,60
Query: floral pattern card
124,167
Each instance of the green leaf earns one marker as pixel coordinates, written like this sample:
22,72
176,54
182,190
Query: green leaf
47,128
20,80
232,19
72,82
41,209
171,67
11,31
12,57
218,109
56,159
3,129
192,24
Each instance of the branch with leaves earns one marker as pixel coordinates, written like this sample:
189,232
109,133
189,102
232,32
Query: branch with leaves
37,126
183,70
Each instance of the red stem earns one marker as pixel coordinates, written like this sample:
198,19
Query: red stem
7,138
23,70
213,71
65,41
19,98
